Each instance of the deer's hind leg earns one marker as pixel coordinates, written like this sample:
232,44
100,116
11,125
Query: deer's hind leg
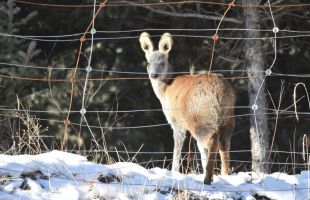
224,146
208,139
203,156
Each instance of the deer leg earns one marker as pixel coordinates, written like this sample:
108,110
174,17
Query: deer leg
179,137
211,143
204,156
224,146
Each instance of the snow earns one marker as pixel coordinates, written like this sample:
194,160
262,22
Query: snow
60,175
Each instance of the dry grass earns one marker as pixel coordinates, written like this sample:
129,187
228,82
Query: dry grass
29,136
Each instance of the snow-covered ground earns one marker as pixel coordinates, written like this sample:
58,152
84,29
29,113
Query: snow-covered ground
59,175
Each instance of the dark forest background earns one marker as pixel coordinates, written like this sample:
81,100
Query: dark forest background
23,131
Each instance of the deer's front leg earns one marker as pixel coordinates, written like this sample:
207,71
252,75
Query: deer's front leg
179,137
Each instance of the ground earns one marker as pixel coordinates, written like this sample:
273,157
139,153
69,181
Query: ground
59,175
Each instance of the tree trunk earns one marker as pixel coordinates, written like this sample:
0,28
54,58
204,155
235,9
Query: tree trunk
255,64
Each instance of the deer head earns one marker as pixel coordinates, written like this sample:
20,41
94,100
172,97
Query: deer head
158,65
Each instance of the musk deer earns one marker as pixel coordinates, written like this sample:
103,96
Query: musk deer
201,104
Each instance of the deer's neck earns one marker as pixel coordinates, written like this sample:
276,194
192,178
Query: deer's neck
160,85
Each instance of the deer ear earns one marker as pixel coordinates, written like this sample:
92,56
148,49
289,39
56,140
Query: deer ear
146,43
165,43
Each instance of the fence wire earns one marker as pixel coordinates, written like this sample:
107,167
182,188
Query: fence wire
92,32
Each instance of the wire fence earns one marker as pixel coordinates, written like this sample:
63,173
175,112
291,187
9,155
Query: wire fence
91,34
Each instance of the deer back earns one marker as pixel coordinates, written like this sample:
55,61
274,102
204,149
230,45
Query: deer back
199,101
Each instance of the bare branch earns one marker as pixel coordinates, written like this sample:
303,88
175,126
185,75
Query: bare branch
190,15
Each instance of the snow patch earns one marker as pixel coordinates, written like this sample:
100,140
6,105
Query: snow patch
60,175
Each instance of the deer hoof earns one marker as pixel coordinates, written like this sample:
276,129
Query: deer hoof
207,181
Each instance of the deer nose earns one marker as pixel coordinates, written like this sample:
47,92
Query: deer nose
153,75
